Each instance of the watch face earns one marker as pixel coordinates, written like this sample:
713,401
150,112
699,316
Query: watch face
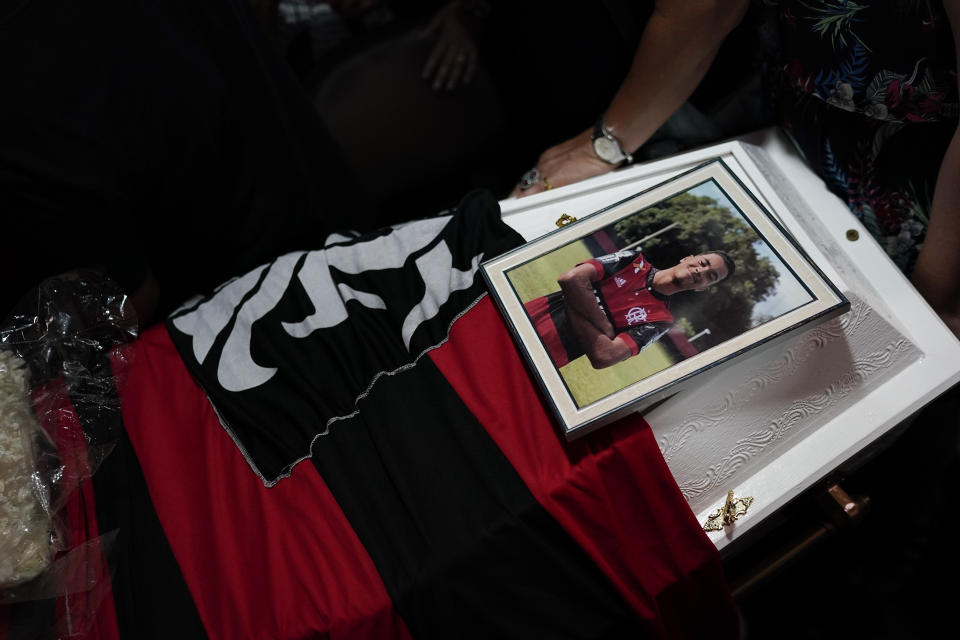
607,150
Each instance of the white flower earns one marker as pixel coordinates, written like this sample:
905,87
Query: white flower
842,96
916,227
876,110
899,244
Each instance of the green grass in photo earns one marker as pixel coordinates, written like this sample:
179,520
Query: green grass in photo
539,277
588,385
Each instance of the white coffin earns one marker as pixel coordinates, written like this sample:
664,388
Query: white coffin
775,423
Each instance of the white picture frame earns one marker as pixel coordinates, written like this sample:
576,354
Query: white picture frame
583,397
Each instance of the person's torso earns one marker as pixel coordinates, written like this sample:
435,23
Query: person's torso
627,299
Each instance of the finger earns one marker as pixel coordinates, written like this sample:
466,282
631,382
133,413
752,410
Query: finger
471,68
537,188
436,54
443,70
519,192
456,71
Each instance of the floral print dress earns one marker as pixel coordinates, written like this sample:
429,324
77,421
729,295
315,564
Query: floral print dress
868,92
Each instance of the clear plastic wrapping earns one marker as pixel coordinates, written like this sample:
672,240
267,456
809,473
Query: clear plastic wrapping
64,352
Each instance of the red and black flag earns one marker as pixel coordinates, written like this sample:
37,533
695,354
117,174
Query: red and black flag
346,443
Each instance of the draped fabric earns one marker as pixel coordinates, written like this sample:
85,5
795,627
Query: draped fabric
357,450
441,502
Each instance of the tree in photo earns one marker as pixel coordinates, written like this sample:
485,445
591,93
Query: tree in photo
687,224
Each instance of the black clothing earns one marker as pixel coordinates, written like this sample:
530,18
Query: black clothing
140,134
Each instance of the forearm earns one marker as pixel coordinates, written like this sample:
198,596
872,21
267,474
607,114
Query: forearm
589,323
580,298
602,350
678,45
937,273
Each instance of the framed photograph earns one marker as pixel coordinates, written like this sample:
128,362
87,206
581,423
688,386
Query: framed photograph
628,305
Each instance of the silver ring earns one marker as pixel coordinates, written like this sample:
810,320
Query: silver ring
529,179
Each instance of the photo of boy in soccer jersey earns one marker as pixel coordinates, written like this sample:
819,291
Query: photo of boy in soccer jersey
612,307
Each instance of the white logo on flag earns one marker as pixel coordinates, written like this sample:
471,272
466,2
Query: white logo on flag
636,315
237,370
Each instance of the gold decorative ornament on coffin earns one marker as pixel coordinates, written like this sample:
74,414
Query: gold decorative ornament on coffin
565,219
732,509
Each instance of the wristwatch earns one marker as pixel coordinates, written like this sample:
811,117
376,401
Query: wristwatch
606,145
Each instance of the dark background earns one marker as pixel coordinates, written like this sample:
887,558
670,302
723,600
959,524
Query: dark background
182,138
